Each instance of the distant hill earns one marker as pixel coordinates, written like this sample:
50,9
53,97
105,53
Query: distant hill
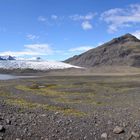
121,51
7,57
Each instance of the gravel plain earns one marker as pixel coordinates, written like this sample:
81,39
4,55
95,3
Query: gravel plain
70,108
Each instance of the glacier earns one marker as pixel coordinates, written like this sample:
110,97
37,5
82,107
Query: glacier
34,64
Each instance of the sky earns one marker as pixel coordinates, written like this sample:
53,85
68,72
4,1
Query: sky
59,29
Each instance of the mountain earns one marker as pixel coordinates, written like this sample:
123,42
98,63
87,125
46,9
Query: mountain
7,57
34,64
121,51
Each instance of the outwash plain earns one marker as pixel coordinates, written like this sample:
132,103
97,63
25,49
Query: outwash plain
58,106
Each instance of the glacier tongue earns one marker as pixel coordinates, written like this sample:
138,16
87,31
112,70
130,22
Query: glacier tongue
36,65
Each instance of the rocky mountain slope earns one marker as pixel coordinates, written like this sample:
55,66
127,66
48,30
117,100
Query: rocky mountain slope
121,51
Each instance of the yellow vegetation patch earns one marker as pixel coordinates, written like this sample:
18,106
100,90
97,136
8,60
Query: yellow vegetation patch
3,94
44,91
40,91
23,103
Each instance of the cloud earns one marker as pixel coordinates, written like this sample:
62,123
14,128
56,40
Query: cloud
31,50
32,37
31,58
51,20
42,19
84,19
119,18
88,16
136,34
18,53
86,25
54,17
42,49
81,48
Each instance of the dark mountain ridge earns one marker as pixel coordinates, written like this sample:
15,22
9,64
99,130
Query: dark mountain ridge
122,51
7,57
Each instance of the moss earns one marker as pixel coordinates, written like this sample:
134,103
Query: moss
66,100
98,103
40,91
21,102
88,99
24,88
45,91
4,94
34,86
25,104
64,110
50,85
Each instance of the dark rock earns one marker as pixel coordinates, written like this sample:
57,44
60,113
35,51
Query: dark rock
2,129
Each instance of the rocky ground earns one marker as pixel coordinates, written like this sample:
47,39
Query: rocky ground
70,108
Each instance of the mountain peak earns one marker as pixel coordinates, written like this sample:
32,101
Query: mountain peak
122,39
128,36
